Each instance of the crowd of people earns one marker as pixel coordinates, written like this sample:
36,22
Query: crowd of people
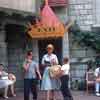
32,75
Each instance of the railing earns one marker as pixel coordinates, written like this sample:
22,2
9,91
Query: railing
58,3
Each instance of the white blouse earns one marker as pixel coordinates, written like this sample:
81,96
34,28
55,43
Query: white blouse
50,58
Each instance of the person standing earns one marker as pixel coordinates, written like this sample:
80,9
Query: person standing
49,84
7,80
97,83
31,70
65,80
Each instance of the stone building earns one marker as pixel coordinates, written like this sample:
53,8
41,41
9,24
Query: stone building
14,42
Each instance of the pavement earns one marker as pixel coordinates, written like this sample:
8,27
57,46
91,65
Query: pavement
41,96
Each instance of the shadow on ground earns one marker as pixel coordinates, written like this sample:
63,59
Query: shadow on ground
41,96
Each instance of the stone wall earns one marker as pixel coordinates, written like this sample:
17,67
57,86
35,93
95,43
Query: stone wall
83,12
97,11
3,47
79,57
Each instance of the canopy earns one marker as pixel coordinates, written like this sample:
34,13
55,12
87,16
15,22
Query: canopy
48,26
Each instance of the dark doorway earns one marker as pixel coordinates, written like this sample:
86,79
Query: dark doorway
57,45
16,40
16,45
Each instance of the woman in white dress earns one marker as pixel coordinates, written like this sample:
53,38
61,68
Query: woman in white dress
49,84
7,80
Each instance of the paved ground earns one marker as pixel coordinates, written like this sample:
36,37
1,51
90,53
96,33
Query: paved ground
76,95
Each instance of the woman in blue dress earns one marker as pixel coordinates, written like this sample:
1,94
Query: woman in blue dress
49,84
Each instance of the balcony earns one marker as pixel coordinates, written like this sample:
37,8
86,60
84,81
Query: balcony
58,3
20,5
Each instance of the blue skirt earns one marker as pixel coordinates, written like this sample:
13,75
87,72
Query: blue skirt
49,83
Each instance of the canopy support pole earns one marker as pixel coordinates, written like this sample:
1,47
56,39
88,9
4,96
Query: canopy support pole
46,2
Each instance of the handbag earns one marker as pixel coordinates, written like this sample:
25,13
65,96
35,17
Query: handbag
55,71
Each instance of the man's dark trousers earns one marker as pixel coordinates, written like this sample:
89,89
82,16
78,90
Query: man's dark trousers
30,85
65,89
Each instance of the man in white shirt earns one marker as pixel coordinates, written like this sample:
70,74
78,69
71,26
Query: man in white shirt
65,80
97,83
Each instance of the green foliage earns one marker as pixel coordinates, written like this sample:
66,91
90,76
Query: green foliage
86,38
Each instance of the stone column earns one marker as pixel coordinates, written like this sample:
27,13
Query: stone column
3,48
35,50
64,18
83,12
66,50
66,45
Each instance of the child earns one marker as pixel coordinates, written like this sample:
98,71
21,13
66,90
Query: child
6,80
64,80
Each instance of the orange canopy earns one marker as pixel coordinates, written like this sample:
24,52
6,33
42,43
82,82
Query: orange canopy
48,26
